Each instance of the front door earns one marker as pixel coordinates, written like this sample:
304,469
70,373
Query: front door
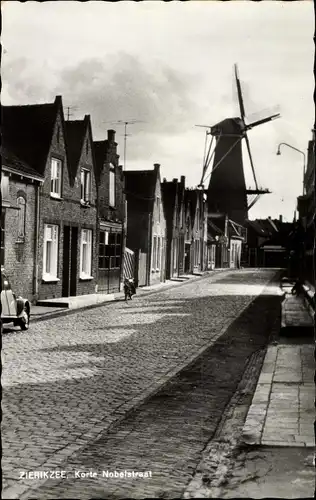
73,261
187,251
66,261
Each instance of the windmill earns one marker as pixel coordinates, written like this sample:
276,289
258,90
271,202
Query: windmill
227,192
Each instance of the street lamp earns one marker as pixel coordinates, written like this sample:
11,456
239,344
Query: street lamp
299,151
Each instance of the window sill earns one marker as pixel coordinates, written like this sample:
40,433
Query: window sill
85,278
50,279
18,242
85,204
55,196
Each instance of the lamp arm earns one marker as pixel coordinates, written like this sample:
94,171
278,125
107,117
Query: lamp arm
292,147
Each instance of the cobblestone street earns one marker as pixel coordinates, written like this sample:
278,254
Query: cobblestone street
67,379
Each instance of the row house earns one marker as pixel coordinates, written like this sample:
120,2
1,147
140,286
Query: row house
172,194
20,188
306,211
267,241
74,243
226,239
181,214
61,155
196,233
146,224
111,216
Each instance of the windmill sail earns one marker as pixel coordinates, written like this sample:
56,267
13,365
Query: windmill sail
227,192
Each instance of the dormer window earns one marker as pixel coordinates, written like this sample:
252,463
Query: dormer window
85,185
56,177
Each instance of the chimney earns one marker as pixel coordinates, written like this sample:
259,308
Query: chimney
175,181
156,166
182,180
111,135
281,218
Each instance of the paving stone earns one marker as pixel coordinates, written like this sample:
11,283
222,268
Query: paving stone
68,373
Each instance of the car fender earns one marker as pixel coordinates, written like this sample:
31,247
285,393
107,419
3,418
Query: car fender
20,304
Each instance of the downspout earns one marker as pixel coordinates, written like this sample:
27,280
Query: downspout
36,235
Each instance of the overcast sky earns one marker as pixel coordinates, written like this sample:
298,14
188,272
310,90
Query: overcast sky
170,66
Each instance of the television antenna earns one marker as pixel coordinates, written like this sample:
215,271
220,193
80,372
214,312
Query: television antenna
69,108
126,123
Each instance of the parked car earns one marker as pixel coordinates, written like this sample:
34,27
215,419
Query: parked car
14,309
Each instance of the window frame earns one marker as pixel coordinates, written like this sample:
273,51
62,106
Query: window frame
56,179
85,174
158,263
110,251
51,276
88,243
154,253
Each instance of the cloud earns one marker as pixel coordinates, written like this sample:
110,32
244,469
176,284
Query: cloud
122,87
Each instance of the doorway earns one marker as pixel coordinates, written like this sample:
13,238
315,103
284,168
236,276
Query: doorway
66,255
73,261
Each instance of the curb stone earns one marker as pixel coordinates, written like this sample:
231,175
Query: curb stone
119,296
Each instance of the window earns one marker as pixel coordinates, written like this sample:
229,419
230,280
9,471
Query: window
110,250
158,255
21,217
85,185
50,256
154,253
112,186
56,176
196,252
86,253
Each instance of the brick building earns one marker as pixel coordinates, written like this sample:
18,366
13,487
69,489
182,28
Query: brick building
66,233
20,187
187,232
197,207
172,201
306,210
182,228
79,244
111,208
146,224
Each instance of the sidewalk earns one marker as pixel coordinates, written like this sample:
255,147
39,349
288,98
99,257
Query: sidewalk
66,304
282,412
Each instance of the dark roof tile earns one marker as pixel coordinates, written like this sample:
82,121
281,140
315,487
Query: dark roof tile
12,161
27,131
140,184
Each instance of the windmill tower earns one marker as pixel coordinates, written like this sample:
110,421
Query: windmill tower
227,192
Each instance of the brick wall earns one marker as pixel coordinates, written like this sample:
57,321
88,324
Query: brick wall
111,157
19,256
66,211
